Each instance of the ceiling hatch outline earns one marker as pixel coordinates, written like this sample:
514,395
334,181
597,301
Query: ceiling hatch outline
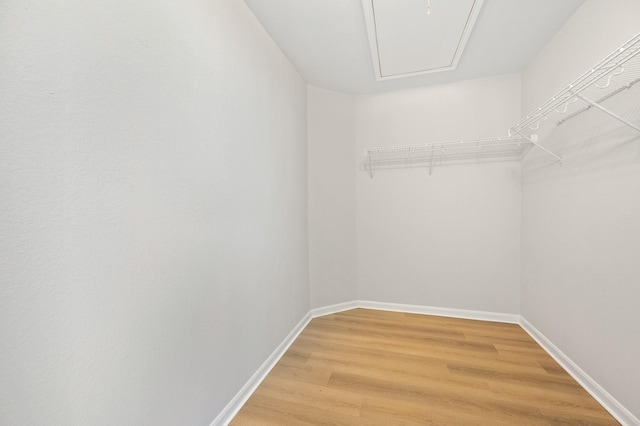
374,44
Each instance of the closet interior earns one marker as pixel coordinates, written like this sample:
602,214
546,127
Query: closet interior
186,185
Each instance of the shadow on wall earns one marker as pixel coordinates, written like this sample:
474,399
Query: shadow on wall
591,143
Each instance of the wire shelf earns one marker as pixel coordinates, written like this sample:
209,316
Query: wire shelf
619,71
616,73
501,148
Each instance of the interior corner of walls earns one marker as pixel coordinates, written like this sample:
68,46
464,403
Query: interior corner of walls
311,88
520,89
332,309
236,403
332,203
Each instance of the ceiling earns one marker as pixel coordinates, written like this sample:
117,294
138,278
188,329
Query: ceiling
327,40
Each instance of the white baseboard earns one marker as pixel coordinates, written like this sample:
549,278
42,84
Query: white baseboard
332,309
616,409
232,408
443,312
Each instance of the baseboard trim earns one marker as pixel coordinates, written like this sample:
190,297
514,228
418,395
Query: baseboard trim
442,312
617,410
232,408
333,309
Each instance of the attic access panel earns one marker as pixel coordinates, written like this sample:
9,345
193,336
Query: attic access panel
406,40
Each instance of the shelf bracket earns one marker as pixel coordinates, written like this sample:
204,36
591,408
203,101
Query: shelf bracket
608,112
370,168
534,140
431,162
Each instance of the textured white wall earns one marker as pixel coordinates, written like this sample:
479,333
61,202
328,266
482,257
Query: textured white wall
153,209
332,197
594,30
451,239
581,221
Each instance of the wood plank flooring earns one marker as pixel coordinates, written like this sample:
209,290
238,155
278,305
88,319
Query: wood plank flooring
368,367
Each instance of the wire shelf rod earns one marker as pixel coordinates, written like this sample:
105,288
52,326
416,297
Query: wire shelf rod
609,112
600,100
609,67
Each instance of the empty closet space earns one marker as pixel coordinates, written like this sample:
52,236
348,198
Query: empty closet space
515,194
371,367
290,212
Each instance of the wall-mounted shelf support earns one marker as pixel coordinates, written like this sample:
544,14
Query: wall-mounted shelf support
608,112
534,140
431,163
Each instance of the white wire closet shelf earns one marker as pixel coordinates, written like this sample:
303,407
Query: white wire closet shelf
430,154
616,73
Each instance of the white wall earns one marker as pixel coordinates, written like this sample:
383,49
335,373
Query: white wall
153,217
581,221
451,239
594,30
332,197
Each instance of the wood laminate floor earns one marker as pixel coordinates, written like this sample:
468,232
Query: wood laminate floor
369,367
